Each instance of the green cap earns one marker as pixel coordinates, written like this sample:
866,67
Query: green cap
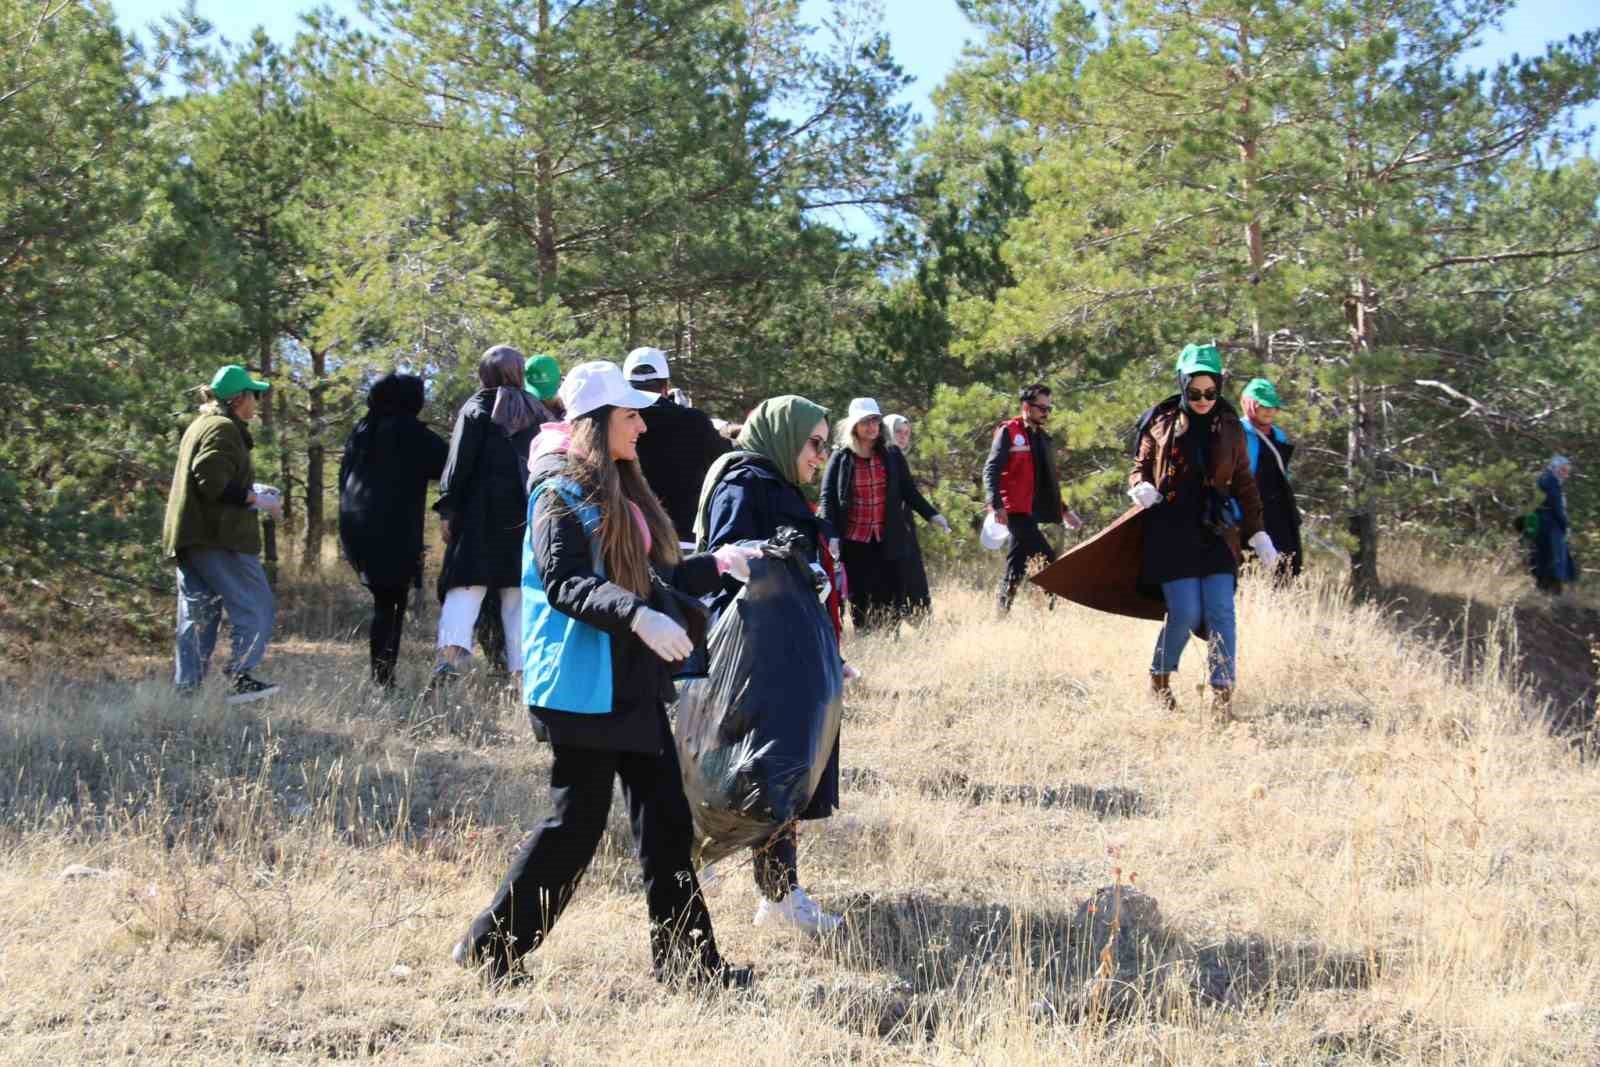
232,380
1200,359
1262,392
541,376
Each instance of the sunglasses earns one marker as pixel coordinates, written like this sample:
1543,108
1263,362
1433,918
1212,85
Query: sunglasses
819,445
1046,408
1198,395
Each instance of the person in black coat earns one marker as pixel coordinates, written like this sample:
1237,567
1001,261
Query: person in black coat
1270,451
915,597
864,493
483,500
681,442
604,575
383,483
749,496
1553,565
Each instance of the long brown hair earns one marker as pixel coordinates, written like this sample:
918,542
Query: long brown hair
611,484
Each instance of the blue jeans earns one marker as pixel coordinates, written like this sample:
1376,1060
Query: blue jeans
1192,603
211,581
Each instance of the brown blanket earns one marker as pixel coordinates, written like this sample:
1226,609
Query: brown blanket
1103,572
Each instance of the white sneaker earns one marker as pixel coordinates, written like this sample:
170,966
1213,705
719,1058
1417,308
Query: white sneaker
800,911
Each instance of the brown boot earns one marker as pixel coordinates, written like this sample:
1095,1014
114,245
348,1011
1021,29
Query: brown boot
1161,690
1222,704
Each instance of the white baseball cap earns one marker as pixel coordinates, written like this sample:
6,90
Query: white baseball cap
645,365
597,384
862,407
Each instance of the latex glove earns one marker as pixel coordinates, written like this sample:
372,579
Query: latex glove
267,499
833,548
851,674
735,560
1265,550
661,635
821,583
1072,520
941,522
1145,495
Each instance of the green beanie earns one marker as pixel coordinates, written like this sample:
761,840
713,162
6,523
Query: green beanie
541,376
1200,359
1262,392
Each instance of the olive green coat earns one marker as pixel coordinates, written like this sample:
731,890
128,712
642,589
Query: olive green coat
206,506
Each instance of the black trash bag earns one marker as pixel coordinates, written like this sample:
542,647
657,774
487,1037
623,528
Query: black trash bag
755,734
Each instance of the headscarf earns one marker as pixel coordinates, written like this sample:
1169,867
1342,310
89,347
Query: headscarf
892,424
1557,461
500,369
776,431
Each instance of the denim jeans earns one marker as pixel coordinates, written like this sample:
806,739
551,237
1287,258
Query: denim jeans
211,581
1191,604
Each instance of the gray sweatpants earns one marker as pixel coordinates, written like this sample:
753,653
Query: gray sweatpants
211,581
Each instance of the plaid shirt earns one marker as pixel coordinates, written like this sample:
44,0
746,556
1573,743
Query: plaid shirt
869,489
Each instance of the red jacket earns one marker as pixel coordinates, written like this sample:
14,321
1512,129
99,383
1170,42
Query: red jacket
1010,478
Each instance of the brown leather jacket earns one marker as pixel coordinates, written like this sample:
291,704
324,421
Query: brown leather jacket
1230,463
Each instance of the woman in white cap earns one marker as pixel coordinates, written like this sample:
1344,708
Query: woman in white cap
601,577
864,494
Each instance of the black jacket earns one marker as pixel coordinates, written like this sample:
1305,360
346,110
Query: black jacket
641,683
678,447
750,503
839,479
483,492
1280,513
383,483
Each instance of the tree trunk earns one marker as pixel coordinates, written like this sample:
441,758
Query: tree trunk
1248,146
316,451
543,168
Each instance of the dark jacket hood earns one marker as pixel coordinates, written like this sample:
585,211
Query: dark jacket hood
395,394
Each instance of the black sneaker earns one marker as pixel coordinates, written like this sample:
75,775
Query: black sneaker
245,689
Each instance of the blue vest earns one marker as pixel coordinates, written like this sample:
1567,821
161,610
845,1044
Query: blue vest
1252,444
566,664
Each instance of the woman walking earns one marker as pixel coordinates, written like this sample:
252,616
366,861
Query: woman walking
914,594
483,503
383,481
748,495
865,491
601,567
1192,477
1553,566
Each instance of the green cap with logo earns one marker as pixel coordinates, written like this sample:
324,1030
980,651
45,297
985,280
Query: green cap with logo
1262,392
232,380
1200,359
541,376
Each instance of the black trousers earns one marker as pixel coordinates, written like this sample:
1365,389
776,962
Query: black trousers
776,864
874,583
388,623
551,862
1027,544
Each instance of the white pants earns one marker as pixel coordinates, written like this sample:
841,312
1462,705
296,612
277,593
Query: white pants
459,616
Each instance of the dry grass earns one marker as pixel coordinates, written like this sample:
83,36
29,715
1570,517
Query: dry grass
1385,862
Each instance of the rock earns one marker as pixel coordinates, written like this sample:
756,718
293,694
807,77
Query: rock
78,872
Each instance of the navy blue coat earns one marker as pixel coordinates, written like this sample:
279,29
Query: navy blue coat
750,503
1552,556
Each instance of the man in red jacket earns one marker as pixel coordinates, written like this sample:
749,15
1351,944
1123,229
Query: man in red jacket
1023,491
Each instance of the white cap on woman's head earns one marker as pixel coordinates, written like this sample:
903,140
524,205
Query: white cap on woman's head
646,365
599,384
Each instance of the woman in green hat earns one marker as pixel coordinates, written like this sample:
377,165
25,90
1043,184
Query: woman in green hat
1270,451
1192,477
747,495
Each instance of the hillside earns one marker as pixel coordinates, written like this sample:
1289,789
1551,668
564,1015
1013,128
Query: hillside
1384,862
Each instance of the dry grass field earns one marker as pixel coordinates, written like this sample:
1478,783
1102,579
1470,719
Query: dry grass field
1387,860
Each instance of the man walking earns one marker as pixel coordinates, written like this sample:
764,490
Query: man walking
1270,450
1023,491
213,534
679,444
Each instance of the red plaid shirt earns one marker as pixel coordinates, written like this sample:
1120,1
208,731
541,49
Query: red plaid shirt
869,487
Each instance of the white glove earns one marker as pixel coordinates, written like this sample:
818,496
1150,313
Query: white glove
1145,495
833,548
851,674
735,560
661,635
1265,550
269,500
941,522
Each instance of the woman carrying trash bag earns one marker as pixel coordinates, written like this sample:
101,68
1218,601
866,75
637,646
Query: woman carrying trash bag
1192,476
383,483
747,496
601,564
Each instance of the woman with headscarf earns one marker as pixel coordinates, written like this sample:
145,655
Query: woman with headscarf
383,483
865,493
747,496
482,502
1192,477
914,594
1553,565
602,579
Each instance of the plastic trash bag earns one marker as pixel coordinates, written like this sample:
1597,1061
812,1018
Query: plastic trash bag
755,734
